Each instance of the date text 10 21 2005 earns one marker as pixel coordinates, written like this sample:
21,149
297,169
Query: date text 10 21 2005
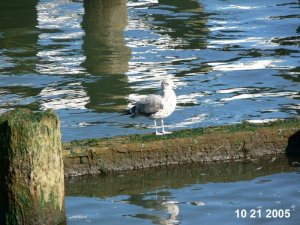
260,213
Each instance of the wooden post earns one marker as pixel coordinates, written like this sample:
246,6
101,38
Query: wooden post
31,169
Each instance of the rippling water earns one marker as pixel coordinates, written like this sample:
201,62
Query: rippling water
196,194
232,60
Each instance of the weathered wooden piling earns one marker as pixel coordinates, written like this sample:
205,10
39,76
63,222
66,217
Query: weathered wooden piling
31,169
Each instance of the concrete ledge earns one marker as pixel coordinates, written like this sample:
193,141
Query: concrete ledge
233,142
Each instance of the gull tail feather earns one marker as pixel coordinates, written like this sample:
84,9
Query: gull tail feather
131,111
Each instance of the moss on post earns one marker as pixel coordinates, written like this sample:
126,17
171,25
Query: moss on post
31,169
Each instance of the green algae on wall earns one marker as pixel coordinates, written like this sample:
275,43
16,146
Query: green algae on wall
221,143
31,169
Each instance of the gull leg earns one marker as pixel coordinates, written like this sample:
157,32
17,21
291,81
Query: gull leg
163,128
156,132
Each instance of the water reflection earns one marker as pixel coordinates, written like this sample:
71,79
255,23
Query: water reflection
232,61
18,36
18,53
185,21
159,203
149,180
60,55
104,46
170,28
60,39
103,55
159,195
106,53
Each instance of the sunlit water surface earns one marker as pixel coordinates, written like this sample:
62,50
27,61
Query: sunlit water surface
231,60
195,194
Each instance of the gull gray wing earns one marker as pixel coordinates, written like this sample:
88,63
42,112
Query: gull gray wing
149,105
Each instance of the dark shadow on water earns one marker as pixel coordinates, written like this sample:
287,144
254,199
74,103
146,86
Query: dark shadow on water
293,147
178,176
106,53
18,49
186,19
104,45
18,36
293,150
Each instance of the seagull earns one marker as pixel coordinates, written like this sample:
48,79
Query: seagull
157,106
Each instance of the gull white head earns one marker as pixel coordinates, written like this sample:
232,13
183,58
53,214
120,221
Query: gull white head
168,84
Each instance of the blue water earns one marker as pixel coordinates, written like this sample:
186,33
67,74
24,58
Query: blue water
231,60
196,194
